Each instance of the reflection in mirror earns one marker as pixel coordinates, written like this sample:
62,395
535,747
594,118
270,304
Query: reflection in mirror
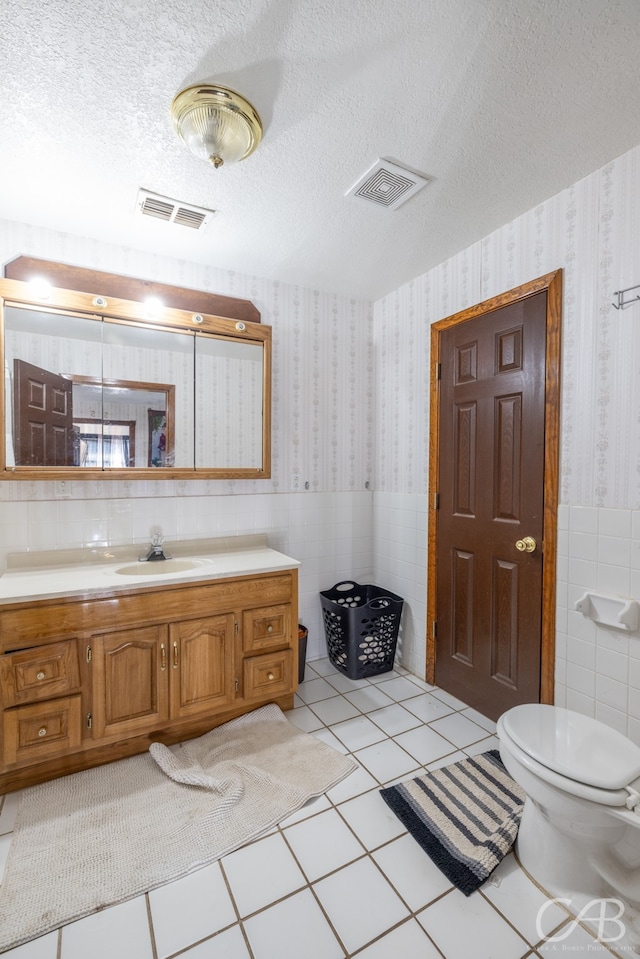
162,363
119,392
229,391
123,424
65,414
40,349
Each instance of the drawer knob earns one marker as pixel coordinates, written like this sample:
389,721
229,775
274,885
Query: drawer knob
270,676
40,675
42,731
269,628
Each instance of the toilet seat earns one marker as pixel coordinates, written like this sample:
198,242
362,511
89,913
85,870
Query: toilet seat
577,748
606,797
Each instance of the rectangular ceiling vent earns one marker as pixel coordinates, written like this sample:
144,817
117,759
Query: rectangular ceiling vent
388,184
172,211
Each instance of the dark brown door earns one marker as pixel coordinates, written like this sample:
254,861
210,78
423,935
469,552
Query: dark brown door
490,510
43,417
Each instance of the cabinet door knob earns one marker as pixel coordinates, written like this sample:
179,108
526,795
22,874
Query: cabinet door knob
270,676
42,731
40,675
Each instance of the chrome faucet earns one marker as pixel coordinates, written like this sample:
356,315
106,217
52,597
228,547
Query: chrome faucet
155,553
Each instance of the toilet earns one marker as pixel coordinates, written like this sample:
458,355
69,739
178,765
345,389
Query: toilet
579,837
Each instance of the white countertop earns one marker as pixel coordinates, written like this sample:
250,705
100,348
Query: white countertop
33,576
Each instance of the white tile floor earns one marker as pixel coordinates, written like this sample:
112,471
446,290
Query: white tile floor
342,877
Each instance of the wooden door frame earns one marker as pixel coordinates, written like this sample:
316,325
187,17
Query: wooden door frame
552,284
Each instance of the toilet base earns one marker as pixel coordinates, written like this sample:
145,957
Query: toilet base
577,862
556,858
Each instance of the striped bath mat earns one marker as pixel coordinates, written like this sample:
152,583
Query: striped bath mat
465,816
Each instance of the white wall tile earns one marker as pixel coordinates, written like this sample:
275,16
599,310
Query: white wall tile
583,519
614,550
581,680
583,546
580,703
613,579
615,718
581,653
611,693
612,665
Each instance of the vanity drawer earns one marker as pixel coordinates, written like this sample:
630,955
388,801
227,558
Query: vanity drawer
268,675
32,675
266,627
42,730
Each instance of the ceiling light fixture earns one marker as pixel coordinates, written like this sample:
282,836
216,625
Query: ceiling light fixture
217,124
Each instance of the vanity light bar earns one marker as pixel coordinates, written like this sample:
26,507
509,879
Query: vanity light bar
38,288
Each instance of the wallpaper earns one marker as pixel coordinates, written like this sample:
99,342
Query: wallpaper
589,231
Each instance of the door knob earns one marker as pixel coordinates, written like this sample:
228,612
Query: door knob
526,545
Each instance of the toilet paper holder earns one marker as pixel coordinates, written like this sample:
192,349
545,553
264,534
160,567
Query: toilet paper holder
613,611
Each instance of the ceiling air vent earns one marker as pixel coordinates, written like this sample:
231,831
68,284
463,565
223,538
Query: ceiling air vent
388,184
172,211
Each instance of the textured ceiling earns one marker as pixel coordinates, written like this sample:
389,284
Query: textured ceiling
503,102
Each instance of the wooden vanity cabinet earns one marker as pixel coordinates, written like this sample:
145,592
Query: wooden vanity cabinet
84,681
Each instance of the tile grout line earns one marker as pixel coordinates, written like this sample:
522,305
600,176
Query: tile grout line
152,936
413,914
352,752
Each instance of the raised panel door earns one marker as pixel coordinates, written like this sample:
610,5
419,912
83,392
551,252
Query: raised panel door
130,669
491,486
201,676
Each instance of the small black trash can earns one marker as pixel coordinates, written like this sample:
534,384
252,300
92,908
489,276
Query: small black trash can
303,632
361,625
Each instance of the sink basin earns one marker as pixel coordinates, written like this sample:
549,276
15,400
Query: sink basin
161,567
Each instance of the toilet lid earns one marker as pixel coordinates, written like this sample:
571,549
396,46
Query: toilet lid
573,745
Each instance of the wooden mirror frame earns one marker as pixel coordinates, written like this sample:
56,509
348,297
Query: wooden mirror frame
20,293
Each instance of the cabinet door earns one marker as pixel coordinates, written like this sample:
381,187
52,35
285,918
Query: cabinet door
201,665
130,670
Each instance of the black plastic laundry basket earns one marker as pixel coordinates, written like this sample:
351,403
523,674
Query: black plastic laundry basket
361,625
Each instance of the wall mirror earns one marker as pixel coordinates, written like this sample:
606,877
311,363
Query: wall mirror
95,387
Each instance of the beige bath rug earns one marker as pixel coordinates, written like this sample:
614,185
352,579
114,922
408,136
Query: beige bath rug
108,834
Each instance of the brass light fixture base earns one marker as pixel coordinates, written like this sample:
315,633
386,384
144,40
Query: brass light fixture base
216,123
